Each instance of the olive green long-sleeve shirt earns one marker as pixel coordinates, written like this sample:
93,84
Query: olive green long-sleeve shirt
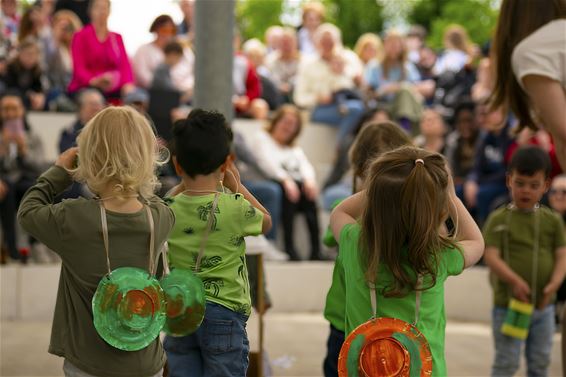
72,229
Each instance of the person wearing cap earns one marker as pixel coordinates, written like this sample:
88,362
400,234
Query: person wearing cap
138,99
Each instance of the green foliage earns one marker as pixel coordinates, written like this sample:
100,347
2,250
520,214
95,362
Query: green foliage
253,17
355,17
477,16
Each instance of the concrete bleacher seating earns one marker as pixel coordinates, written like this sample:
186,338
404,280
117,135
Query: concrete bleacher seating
28,292
317,140
49,127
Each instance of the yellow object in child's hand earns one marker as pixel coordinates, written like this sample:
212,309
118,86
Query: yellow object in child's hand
518,319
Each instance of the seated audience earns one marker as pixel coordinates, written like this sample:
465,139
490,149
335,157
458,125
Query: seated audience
432,132
486,182
21,162
150,55
287,164
325,85
99,56
24,75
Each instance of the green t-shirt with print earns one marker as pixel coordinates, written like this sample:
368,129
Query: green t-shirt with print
518,229
223,267
335,306
432,317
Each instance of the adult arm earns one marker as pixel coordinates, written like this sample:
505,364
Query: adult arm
79,51
124,66
549,99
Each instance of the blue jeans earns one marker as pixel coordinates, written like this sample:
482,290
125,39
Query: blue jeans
538,344
269,194
220,346
331,194
333,346
330,114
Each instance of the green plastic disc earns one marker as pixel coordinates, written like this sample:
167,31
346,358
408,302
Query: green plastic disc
129,308
186,302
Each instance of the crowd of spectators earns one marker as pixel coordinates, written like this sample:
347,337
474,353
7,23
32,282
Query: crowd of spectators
59,55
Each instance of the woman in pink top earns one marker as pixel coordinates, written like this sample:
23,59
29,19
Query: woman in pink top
99,57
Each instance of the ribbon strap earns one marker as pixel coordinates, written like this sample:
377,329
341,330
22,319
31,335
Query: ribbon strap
152,265
418,294
105,235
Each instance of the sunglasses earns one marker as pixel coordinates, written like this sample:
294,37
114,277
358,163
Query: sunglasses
557,191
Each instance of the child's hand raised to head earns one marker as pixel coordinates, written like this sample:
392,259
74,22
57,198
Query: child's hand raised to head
67,160
232,177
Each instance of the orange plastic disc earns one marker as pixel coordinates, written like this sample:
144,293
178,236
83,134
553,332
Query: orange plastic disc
385,347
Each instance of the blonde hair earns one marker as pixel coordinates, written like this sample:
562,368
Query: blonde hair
388,62
118,147
369,39
315,7
407,202
331,29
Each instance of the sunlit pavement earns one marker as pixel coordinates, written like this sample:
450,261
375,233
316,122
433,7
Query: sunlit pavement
295,344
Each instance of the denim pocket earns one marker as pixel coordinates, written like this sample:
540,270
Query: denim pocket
179,345
218,335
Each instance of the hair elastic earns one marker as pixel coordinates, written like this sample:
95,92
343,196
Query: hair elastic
419,161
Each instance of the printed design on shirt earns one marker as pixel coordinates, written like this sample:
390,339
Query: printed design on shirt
208,262
241,308
236,241
214,285
189,230
204,212
250,212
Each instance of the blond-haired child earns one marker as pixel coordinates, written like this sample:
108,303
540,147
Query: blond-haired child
118,154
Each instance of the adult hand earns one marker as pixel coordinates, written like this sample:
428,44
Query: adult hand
324,99
521,290
292,191
471,189
311,190
67,159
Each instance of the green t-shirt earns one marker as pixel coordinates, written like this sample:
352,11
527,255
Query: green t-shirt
73,230
432,318
223,265
335,307
519,227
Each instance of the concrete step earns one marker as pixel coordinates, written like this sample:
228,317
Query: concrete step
29,292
